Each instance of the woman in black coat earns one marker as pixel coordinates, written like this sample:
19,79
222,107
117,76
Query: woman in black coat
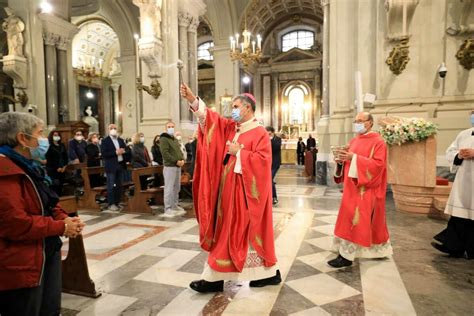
93,158
56,161
300,149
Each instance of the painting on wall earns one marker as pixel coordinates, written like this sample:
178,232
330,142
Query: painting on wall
226,104
89,107
207,92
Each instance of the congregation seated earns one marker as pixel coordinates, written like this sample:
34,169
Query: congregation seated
56,162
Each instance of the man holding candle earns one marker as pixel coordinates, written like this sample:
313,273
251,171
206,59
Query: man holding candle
361,230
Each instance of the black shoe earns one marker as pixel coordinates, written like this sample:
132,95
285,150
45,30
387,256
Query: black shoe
275,201
339,262
203,286
441,237
274,280
444,249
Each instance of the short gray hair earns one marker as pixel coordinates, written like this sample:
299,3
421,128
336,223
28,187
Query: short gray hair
12,123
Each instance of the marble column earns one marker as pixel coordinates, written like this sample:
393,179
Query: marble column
183,23
116,119
50,41
192,61
63,79
325,106
276,103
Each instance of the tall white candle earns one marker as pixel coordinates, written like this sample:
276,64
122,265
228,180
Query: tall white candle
242,47
137,64
253,47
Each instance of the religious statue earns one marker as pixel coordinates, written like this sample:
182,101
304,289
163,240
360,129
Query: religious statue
14,27
91,120
115,68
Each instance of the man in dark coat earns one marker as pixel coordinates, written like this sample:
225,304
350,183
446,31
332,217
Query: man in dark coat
276,159
115,157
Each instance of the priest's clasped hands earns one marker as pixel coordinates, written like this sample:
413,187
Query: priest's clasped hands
466,153
234,147
344,155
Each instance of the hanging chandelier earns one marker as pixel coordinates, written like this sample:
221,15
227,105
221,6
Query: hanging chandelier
247,51
87,66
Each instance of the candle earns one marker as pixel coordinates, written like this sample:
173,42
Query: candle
93,61
100,63
253,47
137,64
237,37
242,47
259,41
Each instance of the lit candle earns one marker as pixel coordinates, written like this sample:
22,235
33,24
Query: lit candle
237,35
137,66
242,47
259,41
100,63
93,61
253,47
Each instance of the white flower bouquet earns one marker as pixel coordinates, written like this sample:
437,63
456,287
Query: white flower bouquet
399,130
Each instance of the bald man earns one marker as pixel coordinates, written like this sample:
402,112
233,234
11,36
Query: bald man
361,230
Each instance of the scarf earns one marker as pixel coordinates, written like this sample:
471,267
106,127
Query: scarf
34,170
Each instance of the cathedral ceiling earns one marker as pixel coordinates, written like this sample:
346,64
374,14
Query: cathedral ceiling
263,15
94,40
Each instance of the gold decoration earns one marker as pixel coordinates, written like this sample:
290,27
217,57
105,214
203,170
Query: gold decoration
398,58
255,193
154,89
221,187
223,262
465,54
210,133
362,191
372,151
369,175
248,51
356,218
259,240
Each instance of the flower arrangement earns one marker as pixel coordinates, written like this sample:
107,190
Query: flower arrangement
396,131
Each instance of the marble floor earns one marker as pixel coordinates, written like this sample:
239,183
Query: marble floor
143,264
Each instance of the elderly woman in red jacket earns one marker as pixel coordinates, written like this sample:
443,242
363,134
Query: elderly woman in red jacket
31,222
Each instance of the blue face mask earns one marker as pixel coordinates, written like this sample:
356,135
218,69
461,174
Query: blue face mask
236,115
170,131
472,119
359,128
39,153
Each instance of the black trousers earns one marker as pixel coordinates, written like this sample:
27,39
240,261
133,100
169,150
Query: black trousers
300,157
44,300
459,236
274,190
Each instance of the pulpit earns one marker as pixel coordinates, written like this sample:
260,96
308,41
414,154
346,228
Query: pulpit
412,173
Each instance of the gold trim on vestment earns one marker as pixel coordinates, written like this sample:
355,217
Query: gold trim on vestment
369,175
210,133
259,240
362,191
372,151
221,186
255,193
356,218
223,262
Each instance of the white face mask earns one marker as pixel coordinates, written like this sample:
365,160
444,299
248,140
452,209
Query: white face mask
359,128
179,138
56,138
142,140
113,132
79,138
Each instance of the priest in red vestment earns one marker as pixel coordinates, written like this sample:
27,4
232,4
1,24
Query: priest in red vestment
361,229
232,189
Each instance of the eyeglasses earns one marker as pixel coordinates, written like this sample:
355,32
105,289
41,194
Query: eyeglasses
359,121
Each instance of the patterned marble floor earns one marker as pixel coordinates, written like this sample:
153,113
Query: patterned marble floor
143,264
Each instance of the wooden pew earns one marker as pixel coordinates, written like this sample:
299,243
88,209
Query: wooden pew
138,202
88,200
75,272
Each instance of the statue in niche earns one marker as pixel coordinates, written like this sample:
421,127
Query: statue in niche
91,120
14,28
115,68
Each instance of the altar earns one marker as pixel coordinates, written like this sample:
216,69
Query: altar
288,151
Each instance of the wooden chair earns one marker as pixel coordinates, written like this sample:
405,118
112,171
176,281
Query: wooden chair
75,272
138,203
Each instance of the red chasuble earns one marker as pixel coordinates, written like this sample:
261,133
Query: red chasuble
234,210
361,217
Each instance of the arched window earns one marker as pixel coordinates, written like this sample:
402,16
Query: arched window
203,51
296,103
301,39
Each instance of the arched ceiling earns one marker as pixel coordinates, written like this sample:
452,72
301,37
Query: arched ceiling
262,16
95,40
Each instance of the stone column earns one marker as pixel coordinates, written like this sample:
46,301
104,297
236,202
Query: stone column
192,62
183,23
116,119
63,79
276,102
325,107
50,41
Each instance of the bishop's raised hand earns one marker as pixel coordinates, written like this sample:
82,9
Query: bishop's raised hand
187,93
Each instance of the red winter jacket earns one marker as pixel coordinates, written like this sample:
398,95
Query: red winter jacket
23,228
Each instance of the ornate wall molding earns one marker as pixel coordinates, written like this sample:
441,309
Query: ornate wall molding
399,16
184,19
17,68
151,52
193,25
50,39
55,28
465,54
